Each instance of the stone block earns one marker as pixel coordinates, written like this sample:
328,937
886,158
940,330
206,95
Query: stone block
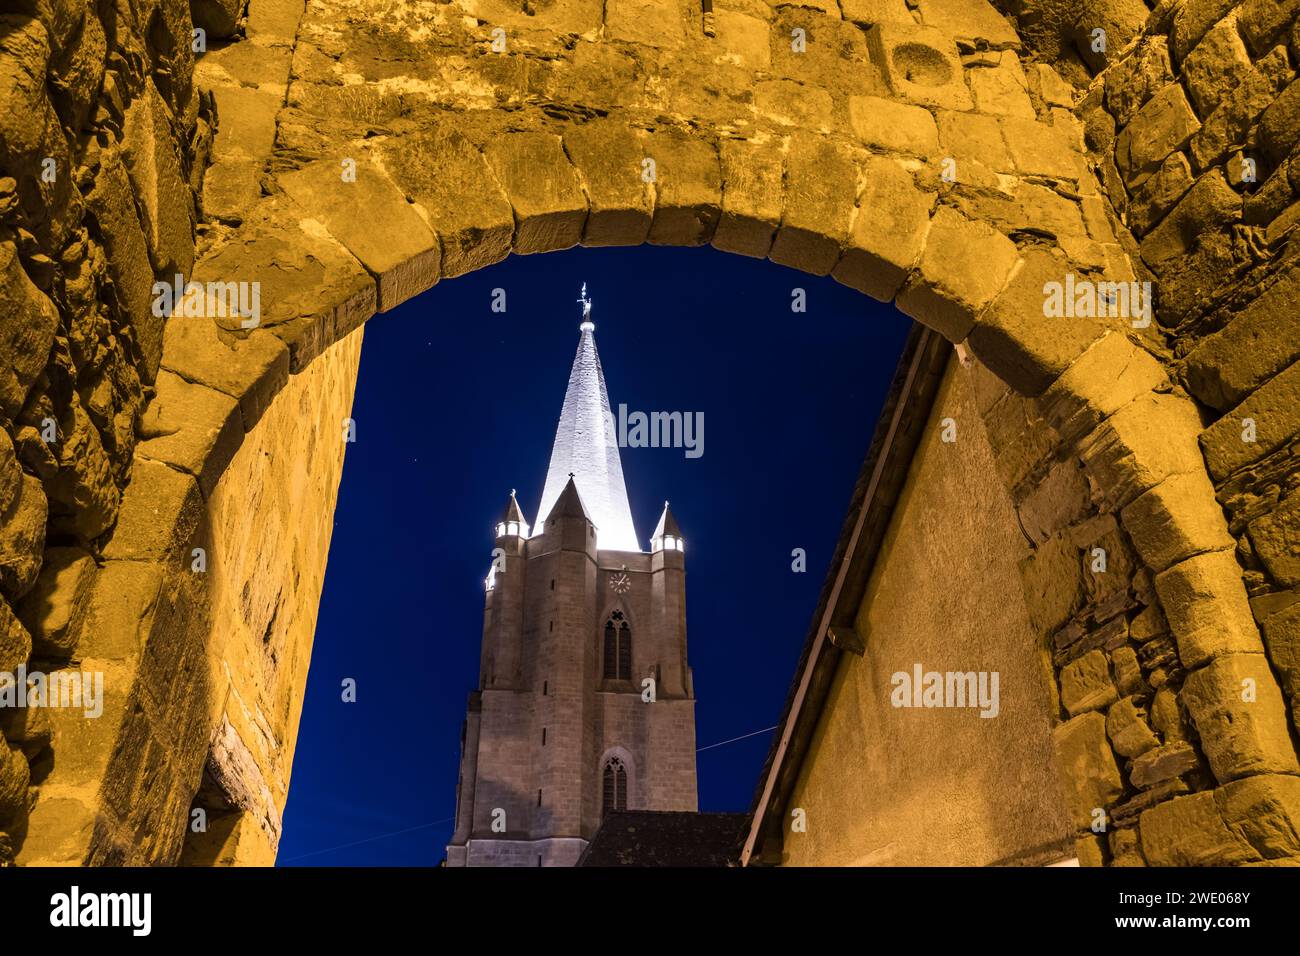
1002,89
753,197
117,615
1156,196
1190,831
1127,728
1193,20
1125,847
1162,126
1208,206
887,124
28,321
1279,125
819,176
1149,623
608,160
48,608
550,209
370,216
1238,710
871,12
1177,519
1111,373
1259,342
688,188
797,105
1270,416
1141,445
1215,66
160,512
162,197
1204,600
973,22
1086,684
920,65
312,291
1052,584
1059,500
1265,812
964,265
447,175
245,66
1276,541
1050,88
1020,207
1128,672
1264,22
1017,339
274,22
1166,717
1041,150
230,188
1163,763
83,494
191,427
745,39
1282,638
11,472
1132,81
646,22
1232,121
251,370
14,779
22,538
973,137
1086,766
15,641
888,231
59,829
834,58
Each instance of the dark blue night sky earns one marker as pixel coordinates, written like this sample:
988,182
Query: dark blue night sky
456,405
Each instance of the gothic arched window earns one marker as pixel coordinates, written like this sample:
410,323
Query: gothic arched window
618,648
614,786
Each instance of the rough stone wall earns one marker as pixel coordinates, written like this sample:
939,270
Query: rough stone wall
102,136
367,149
186,702
1195,133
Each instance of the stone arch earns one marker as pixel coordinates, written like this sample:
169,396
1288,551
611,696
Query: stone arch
831,160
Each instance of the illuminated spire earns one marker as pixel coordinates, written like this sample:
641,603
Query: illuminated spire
586,449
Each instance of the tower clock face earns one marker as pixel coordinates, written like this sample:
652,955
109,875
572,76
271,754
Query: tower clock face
620,582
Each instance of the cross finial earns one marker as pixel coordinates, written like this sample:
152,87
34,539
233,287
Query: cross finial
570,474
587,324
512,492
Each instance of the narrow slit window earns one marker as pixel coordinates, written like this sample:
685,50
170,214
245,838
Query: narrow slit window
617,648
613,786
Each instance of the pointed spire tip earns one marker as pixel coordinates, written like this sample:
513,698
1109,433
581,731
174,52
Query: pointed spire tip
587,325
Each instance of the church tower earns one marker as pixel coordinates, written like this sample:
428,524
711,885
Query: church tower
584,702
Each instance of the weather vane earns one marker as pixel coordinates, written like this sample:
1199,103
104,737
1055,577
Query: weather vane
587,324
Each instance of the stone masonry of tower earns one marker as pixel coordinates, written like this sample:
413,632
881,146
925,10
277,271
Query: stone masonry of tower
546,718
